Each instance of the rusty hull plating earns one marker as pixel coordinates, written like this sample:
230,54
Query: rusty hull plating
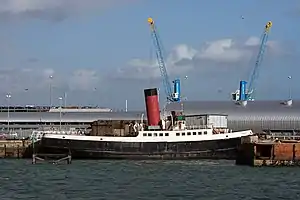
269,153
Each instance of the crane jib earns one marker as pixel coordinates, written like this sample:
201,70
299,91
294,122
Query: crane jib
167,86
248,94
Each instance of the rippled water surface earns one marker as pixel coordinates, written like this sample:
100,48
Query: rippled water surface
155,180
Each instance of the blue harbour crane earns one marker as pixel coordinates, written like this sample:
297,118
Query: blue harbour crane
172,95
244,93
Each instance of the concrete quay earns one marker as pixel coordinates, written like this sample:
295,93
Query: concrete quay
15,148
257,152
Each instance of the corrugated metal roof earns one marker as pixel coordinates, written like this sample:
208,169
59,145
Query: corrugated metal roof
257,115
230,108
68,117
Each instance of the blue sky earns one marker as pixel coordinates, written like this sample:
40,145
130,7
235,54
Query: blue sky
101,52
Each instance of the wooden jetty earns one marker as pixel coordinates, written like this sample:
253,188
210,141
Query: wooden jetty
39,155
257,152
27,149
51,158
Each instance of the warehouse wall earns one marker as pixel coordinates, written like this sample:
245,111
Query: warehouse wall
258,115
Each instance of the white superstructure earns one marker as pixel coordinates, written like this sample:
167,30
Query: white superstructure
158,136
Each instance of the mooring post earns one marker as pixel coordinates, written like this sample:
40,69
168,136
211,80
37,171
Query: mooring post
69,154
18,150
69,159
33,150
33,159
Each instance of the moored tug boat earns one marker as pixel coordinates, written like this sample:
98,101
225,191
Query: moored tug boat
164,137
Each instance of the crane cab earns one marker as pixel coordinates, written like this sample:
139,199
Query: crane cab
175,96
176,90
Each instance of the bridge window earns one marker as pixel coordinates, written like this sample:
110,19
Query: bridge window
188,133
205,132
161,134
182,134
177,134
199,133
144,134
149,134
166,134
194,133
155,134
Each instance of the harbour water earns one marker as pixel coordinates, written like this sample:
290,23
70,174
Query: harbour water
95,180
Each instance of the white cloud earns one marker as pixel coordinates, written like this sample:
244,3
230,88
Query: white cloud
183,58
181,52
225,50
17,80
48,72
177,61
252,41
138,68
52,9
17,6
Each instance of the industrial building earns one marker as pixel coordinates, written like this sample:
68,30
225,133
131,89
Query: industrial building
256,115
82,120
22,120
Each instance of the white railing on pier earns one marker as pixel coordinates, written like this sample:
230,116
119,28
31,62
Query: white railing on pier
38,134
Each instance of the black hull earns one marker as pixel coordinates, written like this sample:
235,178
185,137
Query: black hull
217,149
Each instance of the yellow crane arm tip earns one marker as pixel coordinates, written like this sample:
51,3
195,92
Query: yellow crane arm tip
269,24
150,20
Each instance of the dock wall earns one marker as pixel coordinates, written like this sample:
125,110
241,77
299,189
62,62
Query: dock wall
15,148
269,153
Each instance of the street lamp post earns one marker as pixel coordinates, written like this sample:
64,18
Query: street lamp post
50,89
290,87
60,105
65,99
8,96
